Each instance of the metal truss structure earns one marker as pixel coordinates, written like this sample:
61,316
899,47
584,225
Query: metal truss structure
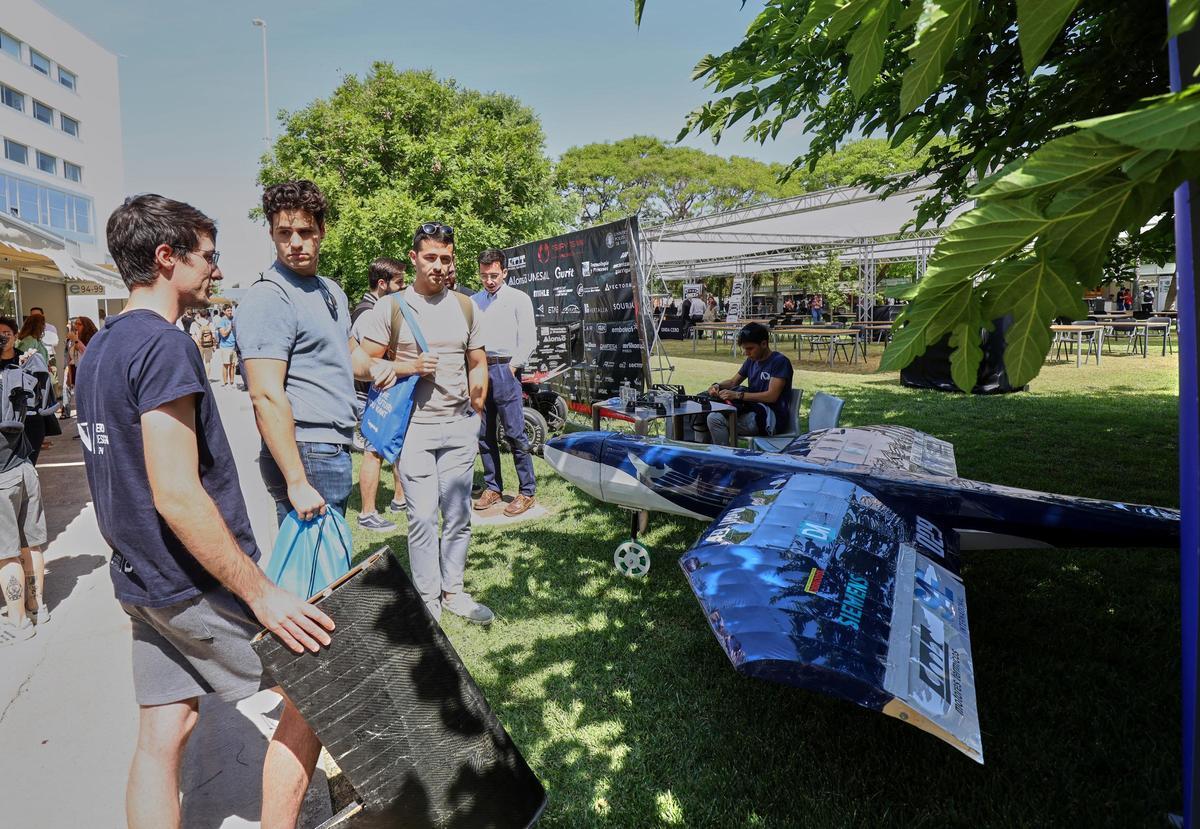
852,224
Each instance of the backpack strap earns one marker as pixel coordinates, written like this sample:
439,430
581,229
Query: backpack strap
468,309
401,308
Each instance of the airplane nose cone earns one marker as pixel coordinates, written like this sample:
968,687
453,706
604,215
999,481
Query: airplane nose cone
577,458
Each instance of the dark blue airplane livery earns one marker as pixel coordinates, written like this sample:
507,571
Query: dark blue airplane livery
834,565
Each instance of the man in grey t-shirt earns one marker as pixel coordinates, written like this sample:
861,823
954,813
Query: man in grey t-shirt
293,335
437,463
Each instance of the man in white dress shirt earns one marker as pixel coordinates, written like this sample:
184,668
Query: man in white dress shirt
510,336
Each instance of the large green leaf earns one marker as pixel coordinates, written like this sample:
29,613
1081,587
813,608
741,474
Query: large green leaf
966,342
1038,24
1034,291
866,46
1182,16
1063,162
910,15
848,15
930,315
942,26
818,13
979,237
1172,122
1087,219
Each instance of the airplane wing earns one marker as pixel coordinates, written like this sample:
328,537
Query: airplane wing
813,582
877,447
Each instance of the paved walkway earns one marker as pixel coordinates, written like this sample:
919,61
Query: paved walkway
67,717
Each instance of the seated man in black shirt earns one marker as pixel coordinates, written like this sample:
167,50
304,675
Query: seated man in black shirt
763,405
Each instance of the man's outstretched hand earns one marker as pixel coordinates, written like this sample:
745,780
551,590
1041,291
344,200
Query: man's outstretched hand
298,624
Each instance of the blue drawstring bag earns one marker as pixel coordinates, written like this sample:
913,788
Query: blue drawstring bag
311,554
385,420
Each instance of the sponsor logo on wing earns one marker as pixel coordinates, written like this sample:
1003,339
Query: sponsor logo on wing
939,668
854,599
930,539
813,583
724,526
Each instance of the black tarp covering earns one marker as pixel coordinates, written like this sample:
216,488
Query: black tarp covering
932,369
584,302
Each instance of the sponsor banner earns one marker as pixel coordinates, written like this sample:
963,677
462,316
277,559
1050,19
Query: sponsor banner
692,290
739,298
585,306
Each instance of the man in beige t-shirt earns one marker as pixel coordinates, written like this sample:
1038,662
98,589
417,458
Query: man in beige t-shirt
437,464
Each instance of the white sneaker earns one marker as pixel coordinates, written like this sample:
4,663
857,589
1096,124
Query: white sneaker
10,633
40,615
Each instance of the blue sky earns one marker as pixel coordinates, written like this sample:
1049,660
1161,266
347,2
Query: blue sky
191,78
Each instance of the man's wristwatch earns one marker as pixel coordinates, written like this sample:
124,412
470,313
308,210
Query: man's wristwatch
741,395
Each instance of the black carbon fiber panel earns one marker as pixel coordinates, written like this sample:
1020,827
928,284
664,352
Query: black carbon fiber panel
400,714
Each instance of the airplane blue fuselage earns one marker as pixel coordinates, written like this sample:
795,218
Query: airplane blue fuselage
699,481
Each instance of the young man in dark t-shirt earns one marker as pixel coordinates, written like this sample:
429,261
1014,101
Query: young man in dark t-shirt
168,503
763,404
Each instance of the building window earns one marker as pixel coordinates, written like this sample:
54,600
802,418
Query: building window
66,78
46,206
72,172
69,125
82,209
16,152
47,163
10,44
12,98
43,113
39,62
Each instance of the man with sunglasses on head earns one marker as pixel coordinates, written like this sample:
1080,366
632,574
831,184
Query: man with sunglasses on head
437,463
293,336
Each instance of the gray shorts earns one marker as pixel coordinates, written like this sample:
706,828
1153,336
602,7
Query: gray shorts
195,647
22,522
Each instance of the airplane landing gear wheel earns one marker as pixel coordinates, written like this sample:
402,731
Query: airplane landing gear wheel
632,558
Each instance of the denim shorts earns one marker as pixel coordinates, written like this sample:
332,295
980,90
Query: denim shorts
328,467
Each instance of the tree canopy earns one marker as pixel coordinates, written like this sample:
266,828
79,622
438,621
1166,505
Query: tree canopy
395,149
667,182
1045,102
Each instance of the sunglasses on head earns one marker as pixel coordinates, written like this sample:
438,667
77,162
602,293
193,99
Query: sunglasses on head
434,229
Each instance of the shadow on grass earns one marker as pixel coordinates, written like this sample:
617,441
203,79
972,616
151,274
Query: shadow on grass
623,703
629,710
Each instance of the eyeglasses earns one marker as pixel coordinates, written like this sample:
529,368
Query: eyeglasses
210,257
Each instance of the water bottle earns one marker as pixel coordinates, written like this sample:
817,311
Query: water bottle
627,394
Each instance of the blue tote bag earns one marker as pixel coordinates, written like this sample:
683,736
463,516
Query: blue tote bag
385,420
309,555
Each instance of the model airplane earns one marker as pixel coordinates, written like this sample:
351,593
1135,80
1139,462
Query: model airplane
834,565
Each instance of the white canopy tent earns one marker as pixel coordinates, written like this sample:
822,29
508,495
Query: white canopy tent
851,223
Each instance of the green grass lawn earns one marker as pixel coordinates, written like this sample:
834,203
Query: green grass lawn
628,710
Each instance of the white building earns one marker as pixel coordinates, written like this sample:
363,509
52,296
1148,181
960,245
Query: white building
61,162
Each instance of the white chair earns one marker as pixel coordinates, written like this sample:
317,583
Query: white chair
824,413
